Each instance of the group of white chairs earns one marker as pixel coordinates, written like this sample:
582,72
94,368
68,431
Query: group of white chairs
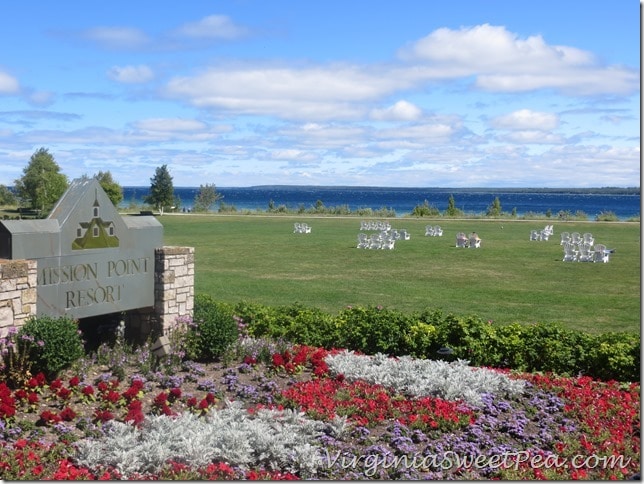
301,228
385,239
433,231
472,240
582,248
378,225
542,234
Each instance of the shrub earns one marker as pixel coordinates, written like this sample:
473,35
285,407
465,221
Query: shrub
373,330
261,320
606,216
61,343
425,210
420,338
307,326
468,337
615,356
214,329
550,347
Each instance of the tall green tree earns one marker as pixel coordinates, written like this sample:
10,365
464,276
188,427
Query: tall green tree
494,210
112,189
451,210
161,190
41,184
206,197
6,196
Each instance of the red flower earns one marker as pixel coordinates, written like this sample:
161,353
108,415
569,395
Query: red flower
102,386
74,381
134,414
49,417
111,396
64,393
133,391
32,398
67,414
33,382
278,360
103,415
56,384
203,404
161,399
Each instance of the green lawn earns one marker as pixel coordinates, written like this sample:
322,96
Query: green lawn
509,279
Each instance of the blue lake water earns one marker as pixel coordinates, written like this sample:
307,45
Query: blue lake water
403,200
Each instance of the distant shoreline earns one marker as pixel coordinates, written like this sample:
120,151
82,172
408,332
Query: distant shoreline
582,191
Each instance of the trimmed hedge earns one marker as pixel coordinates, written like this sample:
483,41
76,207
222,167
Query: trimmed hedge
539,347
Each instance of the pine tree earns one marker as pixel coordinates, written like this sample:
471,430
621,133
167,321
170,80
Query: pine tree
161,190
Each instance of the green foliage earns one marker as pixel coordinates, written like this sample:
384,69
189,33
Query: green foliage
42,184
214,329
606,216
113,190
205,198
616,356
451,210
161,190
261,320
307,326
494,209
425,210
546,347
373,329
551,347
58,343
6,196
468,337
421,338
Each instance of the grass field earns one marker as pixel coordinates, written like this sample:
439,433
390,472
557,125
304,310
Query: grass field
509,279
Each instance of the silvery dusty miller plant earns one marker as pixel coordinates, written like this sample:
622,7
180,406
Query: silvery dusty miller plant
450,381
276,439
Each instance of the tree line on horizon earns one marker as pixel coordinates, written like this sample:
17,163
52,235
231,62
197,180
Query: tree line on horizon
42,184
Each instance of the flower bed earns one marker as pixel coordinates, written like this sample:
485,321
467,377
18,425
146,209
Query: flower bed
307,413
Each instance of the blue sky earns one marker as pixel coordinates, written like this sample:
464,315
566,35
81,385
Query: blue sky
416,93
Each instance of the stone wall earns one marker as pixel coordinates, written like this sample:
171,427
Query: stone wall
173,294
18,296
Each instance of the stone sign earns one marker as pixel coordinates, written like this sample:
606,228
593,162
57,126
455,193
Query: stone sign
90,260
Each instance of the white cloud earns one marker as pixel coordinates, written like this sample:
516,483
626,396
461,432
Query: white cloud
531,137
401,111
311,93
117,37
8,84
526,119
293,155
167,125
131,74
503,62
41,98
212,27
